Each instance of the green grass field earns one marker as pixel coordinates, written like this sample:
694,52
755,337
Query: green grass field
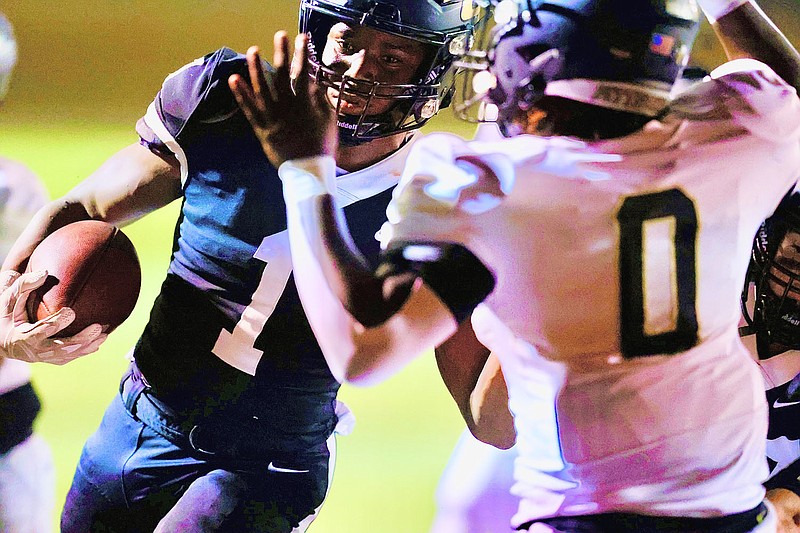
104,61
387,469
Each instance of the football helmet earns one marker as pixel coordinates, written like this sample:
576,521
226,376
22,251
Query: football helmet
773,278
623,55
445,26
8,54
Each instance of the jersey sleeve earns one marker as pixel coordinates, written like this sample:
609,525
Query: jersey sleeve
747,120
22,194
758,99
434,217
190,99
439,196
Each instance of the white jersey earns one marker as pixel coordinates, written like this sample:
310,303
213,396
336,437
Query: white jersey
609,255
21,195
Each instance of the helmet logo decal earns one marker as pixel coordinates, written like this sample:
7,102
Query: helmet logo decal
791,318
662,44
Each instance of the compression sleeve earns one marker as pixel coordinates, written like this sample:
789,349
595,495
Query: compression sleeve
457,277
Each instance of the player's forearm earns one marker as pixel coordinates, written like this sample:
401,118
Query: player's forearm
474,380
49,218
366,334
461,359
356,353
128,185
371,299
320,234
492,421
747,32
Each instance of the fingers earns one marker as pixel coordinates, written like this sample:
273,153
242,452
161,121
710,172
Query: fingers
35,348
262,94
355,64
16,292
250,96
84,343
7,277
283,87
86,335
246,100
300,64
48,326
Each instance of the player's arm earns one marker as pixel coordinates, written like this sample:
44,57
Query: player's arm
368,323
473,376
745,31
131,183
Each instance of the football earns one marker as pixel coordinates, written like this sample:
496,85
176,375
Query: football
92,268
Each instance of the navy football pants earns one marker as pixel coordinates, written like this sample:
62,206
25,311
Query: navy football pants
129,477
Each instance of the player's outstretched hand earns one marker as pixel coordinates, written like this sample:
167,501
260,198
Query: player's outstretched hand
31,342
289,114
787,505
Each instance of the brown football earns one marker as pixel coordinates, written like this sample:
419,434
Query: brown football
93,268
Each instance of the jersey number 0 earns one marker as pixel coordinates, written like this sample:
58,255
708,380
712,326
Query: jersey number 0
657,251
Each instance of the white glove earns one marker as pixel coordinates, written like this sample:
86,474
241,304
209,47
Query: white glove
19,339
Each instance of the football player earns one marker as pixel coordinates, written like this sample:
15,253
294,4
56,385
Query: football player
225,418
27,474
661,419
771,307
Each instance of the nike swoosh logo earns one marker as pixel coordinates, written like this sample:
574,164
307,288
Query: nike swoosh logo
778,404
272,468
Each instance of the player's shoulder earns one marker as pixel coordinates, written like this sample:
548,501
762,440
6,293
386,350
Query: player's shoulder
445,172
747,92
752,72
199,89
438,144
215,65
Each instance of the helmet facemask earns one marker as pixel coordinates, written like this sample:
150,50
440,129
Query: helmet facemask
775,274
612,54
385,108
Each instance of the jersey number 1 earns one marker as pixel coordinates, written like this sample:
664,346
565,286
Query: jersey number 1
657,252
239,348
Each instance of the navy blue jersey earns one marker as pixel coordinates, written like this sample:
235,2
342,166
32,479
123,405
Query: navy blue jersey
227,335
781,374
784,428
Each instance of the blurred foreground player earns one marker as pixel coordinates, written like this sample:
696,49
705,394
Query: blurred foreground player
653,204
771,305
27,475
225,419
